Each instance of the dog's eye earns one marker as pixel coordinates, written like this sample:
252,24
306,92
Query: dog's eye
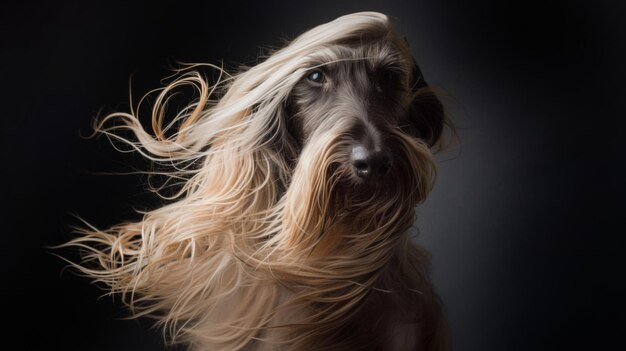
316,76
389,77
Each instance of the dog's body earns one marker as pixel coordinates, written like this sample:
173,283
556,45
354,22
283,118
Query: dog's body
290,231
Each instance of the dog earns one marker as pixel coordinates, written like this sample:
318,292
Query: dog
295,184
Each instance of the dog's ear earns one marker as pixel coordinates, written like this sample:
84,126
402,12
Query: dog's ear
426,115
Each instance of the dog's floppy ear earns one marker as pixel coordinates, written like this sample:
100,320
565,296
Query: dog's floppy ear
426,116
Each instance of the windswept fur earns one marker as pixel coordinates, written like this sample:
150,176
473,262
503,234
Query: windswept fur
271,242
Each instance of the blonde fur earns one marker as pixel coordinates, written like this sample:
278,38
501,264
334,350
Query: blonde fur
257,251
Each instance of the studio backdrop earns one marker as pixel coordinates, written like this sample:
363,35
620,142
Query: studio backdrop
523,224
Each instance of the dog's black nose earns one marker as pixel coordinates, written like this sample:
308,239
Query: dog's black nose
370,164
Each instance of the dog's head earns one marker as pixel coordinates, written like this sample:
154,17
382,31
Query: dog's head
367,89
356,120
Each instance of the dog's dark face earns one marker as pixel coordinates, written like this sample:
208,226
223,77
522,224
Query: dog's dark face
371,90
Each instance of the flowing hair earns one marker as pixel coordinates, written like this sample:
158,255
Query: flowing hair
254,245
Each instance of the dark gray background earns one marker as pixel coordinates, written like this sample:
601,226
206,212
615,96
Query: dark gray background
524,224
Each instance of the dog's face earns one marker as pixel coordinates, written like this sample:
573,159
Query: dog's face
369,92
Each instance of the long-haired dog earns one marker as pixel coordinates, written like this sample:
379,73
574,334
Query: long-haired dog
297,187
